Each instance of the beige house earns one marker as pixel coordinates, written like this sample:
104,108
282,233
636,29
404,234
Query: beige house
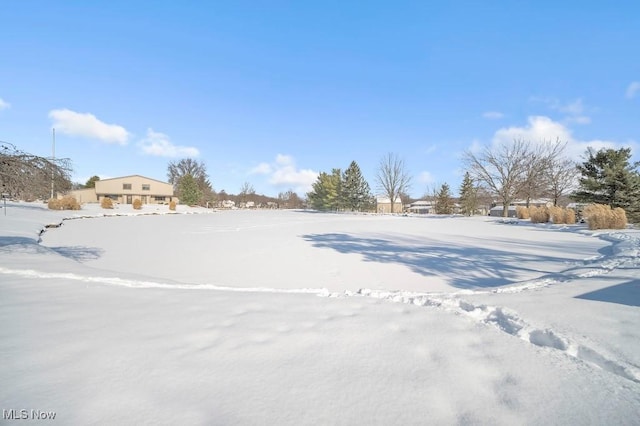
383,205
125,190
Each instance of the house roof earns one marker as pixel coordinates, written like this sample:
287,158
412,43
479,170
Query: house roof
129,176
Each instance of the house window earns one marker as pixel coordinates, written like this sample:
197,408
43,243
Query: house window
146,187
159,198
126,186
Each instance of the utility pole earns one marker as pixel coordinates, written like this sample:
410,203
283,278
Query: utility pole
53,160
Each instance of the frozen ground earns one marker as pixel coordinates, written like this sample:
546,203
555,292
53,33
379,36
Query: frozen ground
259,317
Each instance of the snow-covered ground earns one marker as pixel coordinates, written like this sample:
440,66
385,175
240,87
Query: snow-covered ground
290,317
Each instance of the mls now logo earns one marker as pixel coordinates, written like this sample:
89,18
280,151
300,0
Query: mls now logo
28,415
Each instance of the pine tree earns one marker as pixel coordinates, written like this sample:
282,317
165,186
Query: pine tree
189,192
325,194
444,202
355,191
91,182
468,195
609,178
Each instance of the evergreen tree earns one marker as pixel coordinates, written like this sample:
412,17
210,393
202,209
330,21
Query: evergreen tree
325,194
355,191
176,170
444,202
91,182
468,195
190,193
607,177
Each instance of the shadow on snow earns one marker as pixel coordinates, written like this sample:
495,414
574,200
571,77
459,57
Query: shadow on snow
77,253
624,294
464,267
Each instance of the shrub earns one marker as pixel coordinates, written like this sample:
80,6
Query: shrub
137,204
65,203
619,218
600,216
569,216
556,214
522,212
539,214
172,205
106,203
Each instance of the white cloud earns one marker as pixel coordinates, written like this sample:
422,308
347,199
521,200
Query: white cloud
425,177
159,145
87,125
4,104
633,89
541,129
261,169
538,129
284,160
493,115
283,173
476,146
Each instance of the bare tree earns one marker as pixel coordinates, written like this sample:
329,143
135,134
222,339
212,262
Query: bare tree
502,169
246,190
289,200
562,176
536,181
29,176
392,177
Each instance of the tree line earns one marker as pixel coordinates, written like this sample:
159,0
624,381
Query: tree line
500,172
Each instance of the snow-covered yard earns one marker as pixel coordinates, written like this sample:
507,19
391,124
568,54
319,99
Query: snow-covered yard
286,317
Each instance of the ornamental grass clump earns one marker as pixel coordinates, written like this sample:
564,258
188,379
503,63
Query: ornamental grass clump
522,212
65,203
539,214
569,216
106,203
137,204
600,216
556,214
172,205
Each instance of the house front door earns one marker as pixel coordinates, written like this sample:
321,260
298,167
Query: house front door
129,199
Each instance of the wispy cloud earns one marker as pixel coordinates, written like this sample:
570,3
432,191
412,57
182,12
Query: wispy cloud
261,169
430,149
4,104
88,126
159,145
284,173
633,90
492,115
575,112
425,178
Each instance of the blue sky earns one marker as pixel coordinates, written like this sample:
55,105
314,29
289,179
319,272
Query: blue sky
272,93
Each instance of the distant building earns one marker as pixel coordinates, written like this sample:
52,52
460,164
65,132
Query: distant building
126,189
542,202
498,211
421,207
383,205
